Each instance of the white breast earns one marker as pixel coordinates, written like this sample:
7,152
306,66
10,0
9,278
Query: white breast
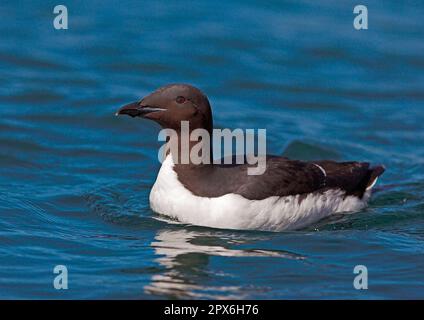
232,211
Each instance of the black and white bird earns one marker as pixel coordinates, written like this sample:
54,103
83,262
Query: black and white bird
289,195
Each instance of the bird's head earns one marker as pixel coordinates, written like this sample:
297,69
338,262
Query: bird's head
171,104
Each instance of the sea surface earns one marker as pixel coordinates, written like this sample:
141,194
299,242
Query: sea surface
75,179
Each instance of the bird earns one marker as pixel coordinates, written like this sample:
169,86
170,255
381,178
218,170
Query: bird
289,195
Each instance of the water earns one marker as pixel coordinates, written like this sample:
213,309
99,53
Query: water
74,179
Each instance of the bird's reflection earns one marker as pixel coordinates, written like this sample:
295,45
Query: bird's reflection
185,254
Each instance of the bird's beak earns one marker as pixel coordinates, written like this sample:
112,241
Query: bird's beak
137,109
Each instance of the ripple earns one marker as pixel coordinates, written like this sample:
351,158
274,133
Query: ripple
121,205
31,62
183,253
309,151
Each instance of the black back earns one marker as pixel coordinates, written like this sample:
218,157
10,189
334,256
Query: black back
283,177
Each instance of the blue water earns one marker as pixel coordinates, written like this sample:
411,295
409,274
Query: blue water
75,179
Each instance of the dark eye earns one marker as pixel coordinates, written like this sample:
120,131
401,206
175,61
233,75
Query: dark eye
180,99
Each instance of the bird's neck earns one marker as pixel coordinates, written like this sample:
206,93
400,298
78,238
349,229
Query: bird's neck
190,150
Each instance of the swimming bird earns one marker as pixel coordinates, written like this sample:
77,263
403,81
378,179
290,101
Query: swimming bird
289,195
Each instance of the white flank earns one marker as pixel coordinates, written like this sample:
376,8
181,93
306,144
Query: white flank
232,211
